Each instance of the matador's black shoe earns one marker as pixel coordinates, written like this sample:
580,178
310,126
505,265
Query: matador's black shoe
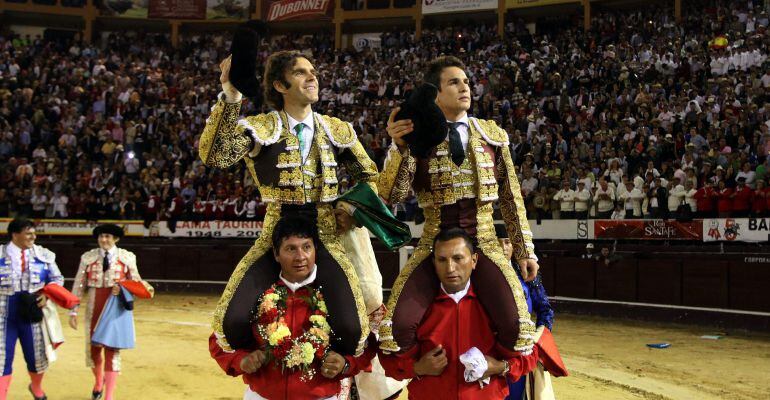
96,395
43,397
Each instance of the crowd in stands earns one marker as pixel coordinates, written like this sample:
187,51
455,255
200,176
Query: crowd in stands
639,117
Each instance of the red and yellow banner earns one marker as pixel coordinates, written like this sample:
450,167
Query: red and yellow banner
285,10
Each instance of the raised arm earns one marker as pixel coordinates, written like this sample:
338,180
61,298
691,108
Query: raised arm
398,172
221,144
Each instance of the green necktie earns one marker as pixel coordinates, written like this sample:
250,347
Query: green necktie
298,129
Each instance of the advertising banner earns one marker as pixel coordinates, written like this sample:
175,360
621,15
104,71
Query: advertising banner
227,9
284,10
208,229
536,3
450,6
177,9
655,229
63,227
736,230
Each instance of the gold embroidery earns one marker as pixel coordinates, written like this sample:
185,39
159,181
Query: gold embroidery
423,250
260,247
340,132
221,144
512,208
327,232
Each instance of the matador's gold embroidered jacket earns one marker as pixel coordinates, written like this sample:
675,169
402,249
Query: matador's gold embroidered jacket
487,175
273,157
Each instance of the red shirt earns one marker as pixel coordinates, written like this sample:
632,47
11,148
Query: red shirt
725,203
742,198
759,200
767,198
269,382
457,327
705,199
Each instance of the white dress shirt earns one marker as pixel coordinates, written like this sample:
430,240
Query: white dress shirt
308,132
295,286
463,129
14,253
458,295
110,254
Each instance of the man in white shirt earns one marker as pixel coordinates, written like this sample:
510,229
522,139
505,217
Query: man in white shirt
689,196
59,203
604,198
676,194
529,183
632,200
582,198
566,199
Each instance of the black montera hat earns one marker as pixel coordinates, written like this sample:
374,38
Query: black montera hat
244,71
430,127
112,229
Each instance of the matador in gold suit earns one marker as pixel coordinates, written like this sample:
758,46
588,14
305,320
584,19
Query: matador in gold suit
461,196
290,183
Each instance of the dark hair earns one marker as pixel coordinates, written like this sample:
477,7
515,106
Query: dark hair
433,74
293,226
277,65
18,225
454,233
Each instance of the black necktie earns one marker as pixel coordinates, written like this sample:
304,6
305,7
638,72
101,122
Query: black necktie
455,144
105,263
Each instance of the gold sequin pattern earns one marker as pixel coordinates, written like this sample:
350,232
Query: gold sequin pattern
327,233
423,251
394,176
492,249
512,208
261,246
221,144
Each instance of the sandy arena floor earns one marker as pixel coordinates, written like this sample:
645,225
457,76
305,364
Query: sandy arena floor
608,360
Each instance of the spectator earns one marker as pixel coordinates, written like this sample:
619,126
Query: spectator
566,199
759,200
632,200
676,195
582,198
604,198
741,199
724,200
589,254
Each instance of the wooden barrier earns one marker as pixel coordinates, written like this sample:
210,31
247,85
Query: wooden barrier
724,281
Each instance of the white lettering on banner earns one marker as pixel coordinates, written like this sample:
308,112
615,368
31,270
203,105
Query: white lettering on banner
751,230
756,260
445,6
660,229
292,8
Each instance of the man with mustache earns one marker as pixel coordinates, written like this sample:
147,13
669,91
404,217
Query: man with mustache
457,182
293,304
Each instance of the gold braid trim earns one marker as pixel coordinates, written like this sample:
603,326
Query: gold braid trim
512,208
396,176
327,232
423,250
221,144
363,169
491,248
261,246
